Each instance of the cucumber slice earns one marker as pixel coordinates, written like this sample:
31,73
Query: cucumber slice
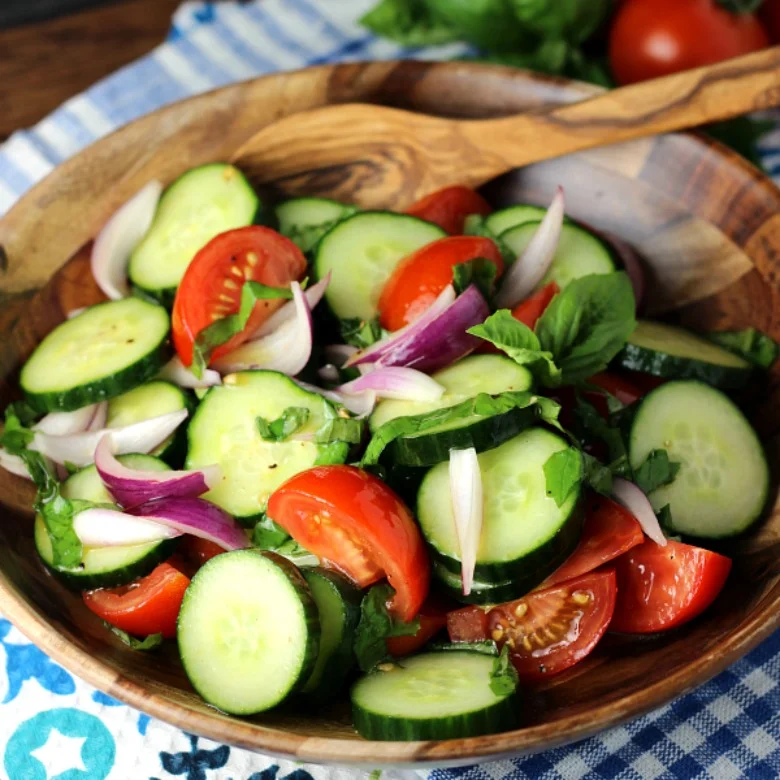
338,606
305,220
152,400
450,584
502,220
439,695
667,351
723,483
199,205
106,567
579,252
223,430
107,350
362,252
492,374
524,533
248,631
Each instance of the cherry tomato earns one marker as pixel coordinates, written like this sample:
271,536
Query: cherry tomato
652,38
609,531
432,617
662,587
357,524
548,630
211,286
449,207
769,14
147,606
419,278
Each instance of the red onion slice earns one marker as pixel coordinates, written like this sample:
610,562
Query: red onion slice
79,448
13,464
197,517
360,404
67,423
99,527
339,354
288,311
376,351
287,349
633,499
100,418
176,372
404,384
524,275
466,496
120,236
131,487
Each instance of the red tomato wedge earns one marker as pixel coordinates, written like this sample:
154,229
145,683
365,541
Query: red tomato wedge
193,552
548,630
419,278
211,286
623,389
147,606
357,524
663,587
449,207
529,310
432,617
609,531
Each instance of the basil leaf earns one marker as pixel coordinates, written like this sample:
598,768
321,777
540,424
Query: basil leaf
664,515
563,472
520,343
596,474
481,405
292,419
587,324
151,642
573,21
221,331
475,225
590,426
480,272
503,675
656,471
376,625
361,333
408,22
756,347
297,554
343,429
267,535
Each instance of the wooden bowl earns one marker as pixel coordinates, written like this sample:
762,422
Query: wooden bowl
707,222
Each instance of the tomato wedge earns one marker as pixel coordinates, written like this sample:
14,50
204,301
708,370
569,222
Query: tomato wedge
449,207
663,587
529,310
211,286
419,278
432,617
609,531
147,606
548,630
193,552
358,525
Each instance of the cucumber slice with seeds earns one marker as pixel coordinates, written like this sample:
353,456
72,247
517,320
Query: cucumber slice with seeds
437,695
104,352
667,351
361,252
722,486
248,631
199,205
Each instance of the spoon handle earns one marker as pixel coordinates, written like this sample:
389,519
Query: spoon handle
675,102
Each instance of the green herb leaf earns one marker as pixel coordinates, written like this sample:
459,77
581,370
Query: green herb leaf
573,21
151,642
753,345
740,6
376,625
408,22
292,419
340,429
587,324
223,330
267,535
656,471
297,554
475,225
486,647
563,472
306,237
520,343
483,405
503,676
664,515
480,272
596,474
360,333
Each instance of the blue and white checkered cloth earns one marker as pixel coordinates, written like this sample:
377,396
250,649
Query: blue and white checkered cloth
53,725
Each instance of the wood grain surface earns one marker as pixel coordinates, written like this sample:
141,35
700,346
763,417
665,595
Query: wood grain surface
708,225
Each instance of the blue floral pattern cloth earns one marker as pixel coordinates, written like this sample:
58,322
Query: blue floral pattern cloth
53,726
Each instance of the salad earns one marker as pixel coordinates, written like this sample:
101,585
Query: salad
423,459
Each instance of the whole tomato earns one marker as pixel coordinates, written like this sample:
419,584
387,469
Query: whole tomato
652,38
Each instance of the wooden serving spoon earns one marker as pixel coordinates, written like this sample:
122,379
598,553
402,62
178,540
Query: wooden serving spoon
385,157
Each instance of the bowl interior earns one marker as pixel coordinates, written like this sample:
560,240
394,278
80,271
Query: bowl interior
708,225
